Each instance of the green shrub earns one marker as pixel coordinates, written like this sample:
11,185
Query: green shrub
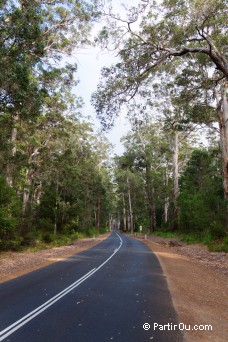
12,245
219,246
31,239
217,231
165,234
48,237
45,224
9,211
92,231
103,230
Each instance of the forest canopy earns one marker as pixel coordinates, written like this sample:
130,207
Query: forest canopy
57,176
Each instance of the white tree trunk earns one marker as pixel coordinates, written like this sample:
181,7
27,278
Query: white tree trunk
166,205
176,176
166,209
30,173
37,194
224,139
110,222
130,206
10,165
124,216
56,205
222,113
26,192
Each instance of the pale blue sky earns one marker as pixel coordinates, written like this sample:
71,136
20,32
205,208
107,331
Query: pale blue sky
89,66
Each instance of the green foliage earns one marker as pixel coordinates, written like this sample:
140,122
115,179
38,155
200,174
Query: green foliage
32,238
172,37
9,211
50,160
205,238
91,231
165,234
219,246
202,207
55,184
217,231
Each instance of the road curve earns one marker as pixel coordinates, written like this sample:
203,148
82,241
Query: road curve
115,291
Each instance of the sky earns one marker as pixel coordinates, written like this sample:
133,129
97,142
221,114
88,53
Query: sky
90,61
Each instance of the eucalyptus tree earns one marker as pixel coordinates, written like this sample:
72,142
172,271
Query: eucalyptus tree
144,143
178,127
169,35
202,206
35,83
75,180
21,47
130,190
35,35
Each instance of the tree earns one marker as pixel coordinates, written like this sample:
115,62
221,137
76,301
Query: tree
46,155
202,208
75,178
170,32
146,163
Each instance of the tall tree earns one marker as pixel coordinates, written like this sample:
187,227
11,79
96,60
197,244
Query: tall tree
169,32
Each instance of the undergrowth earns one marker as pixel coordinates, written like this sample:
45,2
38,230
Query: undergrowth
38,240
205,238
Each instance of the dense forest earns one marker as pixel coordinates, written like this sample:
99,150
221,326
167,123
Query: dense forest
58,180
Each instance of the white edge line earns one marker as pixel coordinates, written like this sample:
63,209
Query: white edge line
18,324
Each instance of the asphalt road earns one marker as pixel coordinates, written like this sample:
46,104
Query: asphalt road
106,293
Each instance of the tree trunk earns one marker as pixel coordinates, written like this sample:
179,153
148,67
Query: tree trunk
124,216
166,209
166,205
27,191
222,113
26,201
37,194
118,221
224,139
150,197
10,165
110,222
30,173
128,222
98,212
175,177
56,205
25,205
154,209
130,207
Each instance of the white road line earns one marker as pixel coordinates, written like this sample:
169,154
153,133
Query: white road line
18,324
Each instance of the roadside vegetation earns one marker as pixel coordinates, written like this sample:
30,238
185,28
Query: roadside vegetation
172,79
55,183
213,245
57,179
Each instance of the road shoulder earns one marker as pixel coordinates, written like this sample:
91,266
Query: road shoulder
15,264
198,293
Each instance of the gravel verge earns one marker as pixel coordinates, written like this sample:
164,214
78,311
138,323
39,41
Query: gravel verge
197,280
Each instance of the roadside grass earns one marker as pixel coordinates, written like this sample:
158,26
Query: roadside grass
169,235
205,238
39,240
219,246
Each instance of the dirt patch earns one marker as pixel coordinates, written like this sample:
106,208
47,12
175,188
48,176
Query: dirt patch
15,264
197,282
